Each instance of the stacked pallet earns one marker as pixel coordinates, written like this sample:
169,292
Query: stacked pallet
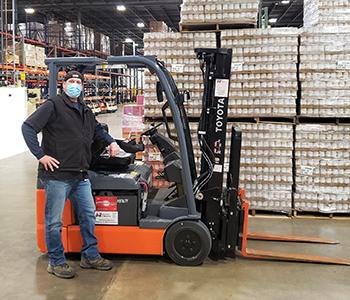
177,51
326,12
266,163
34,56
322,168
325,72
222,11
264,71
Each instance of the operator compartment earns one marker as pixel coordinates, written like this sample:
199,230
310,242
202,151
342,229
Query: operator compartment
119,184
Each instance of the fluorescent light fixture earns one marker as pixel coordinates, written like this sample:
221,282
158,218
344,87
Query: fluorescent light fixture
285,1
140,25
29,10
128,40
273,20
121,8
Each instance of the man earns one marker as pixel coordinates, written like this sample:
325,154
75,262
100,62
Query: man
68,128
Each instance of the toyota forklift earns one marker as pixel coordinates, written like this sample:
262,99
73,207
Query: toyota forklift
199,215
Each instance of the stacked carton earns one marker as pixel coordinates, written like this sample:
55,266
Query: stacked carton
322,168
263,72
266,163
34,56
325,72
177,51
222,11
326,12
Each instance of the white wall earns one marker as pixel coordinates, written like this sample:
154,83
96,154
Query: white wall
13,111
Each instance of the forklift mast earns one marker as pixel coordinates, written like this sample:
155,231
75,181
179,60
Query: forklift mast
210,192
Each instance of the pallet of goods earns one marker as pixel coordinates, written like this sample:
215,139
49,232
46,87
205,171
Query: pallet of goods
218,14
34,56
153,158
326,13
325,72
177,51
266,163
322,153
264,71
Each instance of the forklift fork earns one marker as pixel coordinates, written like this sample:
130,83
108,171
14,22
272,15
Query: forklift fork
280,256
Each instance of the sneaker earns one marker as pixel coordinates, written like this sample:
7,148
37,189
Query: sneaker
98,264
62,271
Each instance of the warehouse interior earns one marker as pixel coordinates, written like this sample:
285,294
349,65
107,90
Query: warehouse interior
276,97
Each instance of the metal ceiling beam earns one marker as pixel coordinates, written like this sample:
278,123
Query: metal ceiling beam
104,24
150,13
296,17
137,15
286,11
90,4
168,18
120,25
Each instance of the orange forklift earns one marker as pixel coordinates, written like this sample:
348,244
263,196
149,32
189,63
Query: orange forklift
200,215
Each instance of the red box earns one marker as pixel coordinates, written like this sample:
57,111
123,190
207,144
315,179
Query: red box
133,110
140,100
106,203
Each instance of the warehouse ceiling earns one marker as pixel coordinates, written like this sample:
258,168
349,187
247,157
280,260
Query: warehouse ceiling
103,15
287,13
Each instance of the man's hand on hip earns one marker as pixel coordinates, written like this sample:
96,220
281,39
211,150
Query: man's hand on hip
113,149
49,162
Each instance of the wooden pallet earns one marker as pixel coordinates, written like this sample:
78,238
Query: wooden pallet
269,213
217,25
322,120
319,215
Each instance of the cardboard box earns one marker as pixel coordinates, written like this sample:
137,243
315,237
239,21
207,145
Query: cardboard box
158,26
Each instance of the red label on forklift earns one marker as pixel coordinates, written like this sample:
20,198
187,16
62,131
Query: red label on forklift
106,210
106,203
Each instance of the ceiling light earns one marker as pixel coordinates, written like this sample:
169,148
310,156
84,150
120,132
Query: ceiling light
273,20
128,40
285,1
29,10
140,25
121,8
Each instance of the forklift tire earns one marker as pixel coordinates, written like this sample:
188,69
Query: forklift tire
188,243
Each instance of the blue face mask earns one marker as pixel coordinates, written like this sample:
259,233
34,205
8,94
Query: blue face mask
73,90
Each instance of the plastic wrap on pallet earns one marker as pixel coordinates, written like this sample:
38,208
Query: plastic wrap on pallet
325,72
177,51
263,72
266,163
219,11
132,117
326,13
322,168
153,157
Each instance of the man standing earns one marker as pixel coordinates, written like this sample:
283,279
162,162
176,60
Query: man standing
68,128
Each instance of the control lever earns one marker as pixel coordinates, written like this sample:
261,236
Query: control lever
152,130
131,146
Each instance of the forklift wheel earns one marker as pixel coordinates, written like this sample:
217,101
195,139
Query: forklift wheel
188,243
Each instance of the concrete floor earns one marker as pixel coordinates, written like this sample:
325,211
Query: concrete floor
23,269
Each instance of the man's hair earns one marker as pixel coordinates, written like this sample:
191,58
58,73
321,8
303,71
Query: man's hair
73,74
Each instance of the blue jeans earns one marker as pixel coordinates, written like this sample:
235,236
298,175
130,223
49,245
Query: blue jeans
79,193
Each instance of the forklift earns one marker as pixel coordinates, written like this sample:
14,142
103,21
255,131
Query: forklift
200,215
